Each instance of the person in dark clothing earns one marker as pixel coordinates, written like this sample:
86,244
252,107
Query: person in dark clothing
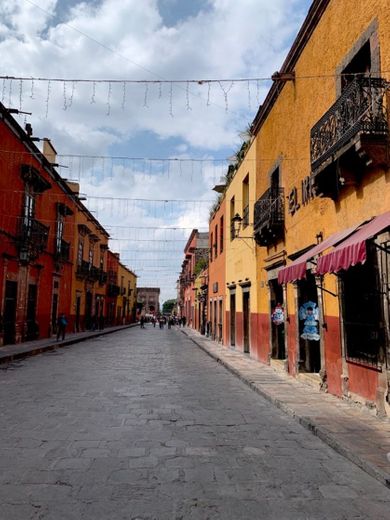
62,322
142,322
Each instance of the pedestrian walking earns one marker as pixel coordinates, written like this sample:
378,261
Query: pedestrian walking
62,322
142,321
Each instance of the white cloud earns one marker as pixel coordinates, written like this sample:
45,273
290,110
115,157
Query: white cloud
230,39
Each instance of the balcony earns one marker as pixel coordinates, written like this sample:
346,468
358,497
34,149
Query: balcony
269,217
32,239
84,269
62,251
352,135
102,277
113,290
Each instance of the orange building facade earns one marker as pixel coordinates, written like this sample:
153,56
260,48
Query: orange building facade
53,252
216,274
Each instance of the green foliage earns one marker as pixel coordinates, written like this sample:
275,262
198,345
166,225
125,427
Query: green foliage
168,306
201,264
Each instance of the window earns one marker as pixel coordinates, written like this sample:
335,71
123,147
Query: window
90,256
362,312
29,209
80,252
221,235
245,202
215,245
360,64
59,233
232,213
211,247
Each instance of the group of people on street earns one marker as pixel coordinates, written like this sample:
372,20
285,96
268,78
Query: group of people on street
162,321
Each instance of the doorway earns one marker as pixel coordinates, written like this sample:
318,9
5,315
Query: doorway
32,326
78,308
54,309
246,320
220,323
278,350
309,335
233,319
88,310
11,290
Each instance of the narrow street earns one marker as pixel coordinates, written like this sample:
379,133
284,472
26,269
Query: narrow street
141,424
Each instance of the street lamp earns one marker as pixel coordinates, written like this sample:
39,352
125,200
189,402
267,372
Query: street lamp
236,223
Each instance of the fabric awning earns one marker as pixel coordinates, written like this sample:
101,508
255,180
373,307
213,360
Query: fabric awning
297,270
353,250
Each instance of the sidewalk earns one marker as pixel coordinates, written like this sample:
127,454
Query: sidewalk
10,353
351,430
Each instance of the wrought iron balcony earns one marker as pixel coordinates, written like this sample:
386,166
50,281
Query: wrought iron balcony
62,250
33,239
113,290
269,217
102,277
84,269
359,111
94,273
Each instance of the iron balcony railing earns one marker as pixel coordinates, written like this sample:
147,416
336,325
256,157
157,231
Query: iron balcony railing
269,216
84,269
113,290
33,238
360,109
63,250
102,277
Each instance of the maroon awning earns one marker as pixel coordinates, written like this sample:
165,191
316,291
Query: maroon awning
297,270
353,250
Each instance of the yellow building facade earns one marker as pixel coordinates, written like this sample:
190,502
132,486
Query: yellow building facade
241,296
322,149
127,297
89,277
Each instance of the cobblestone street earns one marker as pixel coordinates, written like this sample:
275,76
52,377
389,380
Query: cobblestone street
141,424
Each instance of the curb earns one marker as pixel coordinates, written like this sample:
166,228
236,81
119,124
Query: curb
310,425
39,349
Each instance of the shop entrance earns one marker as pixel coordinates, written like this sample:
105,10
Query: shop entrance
246,318
32,326
278,350
233,319
309,335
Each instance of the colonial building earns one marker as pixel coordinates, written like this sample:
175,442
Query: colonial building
149,298
216,272
53,252
306,212
322,140
88,309
126,299
195,260
36,223
113,289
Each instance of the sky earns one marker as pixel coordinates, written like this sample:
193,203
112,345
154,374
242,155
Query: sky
146,150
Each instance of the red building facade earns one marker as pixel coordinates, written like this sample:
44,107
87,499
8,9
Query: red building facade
36,223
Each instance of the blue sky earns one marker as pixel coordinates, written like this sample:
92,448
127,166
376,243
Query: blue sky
152,39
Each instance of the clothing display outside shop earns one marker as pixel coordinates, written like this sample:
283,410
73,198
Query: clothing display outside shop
309,313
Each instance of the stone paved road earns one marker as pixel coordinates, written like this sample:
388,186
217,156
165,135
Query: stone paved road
143,425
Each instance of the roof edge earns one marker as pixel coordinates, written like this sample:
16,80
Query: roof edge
311,21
